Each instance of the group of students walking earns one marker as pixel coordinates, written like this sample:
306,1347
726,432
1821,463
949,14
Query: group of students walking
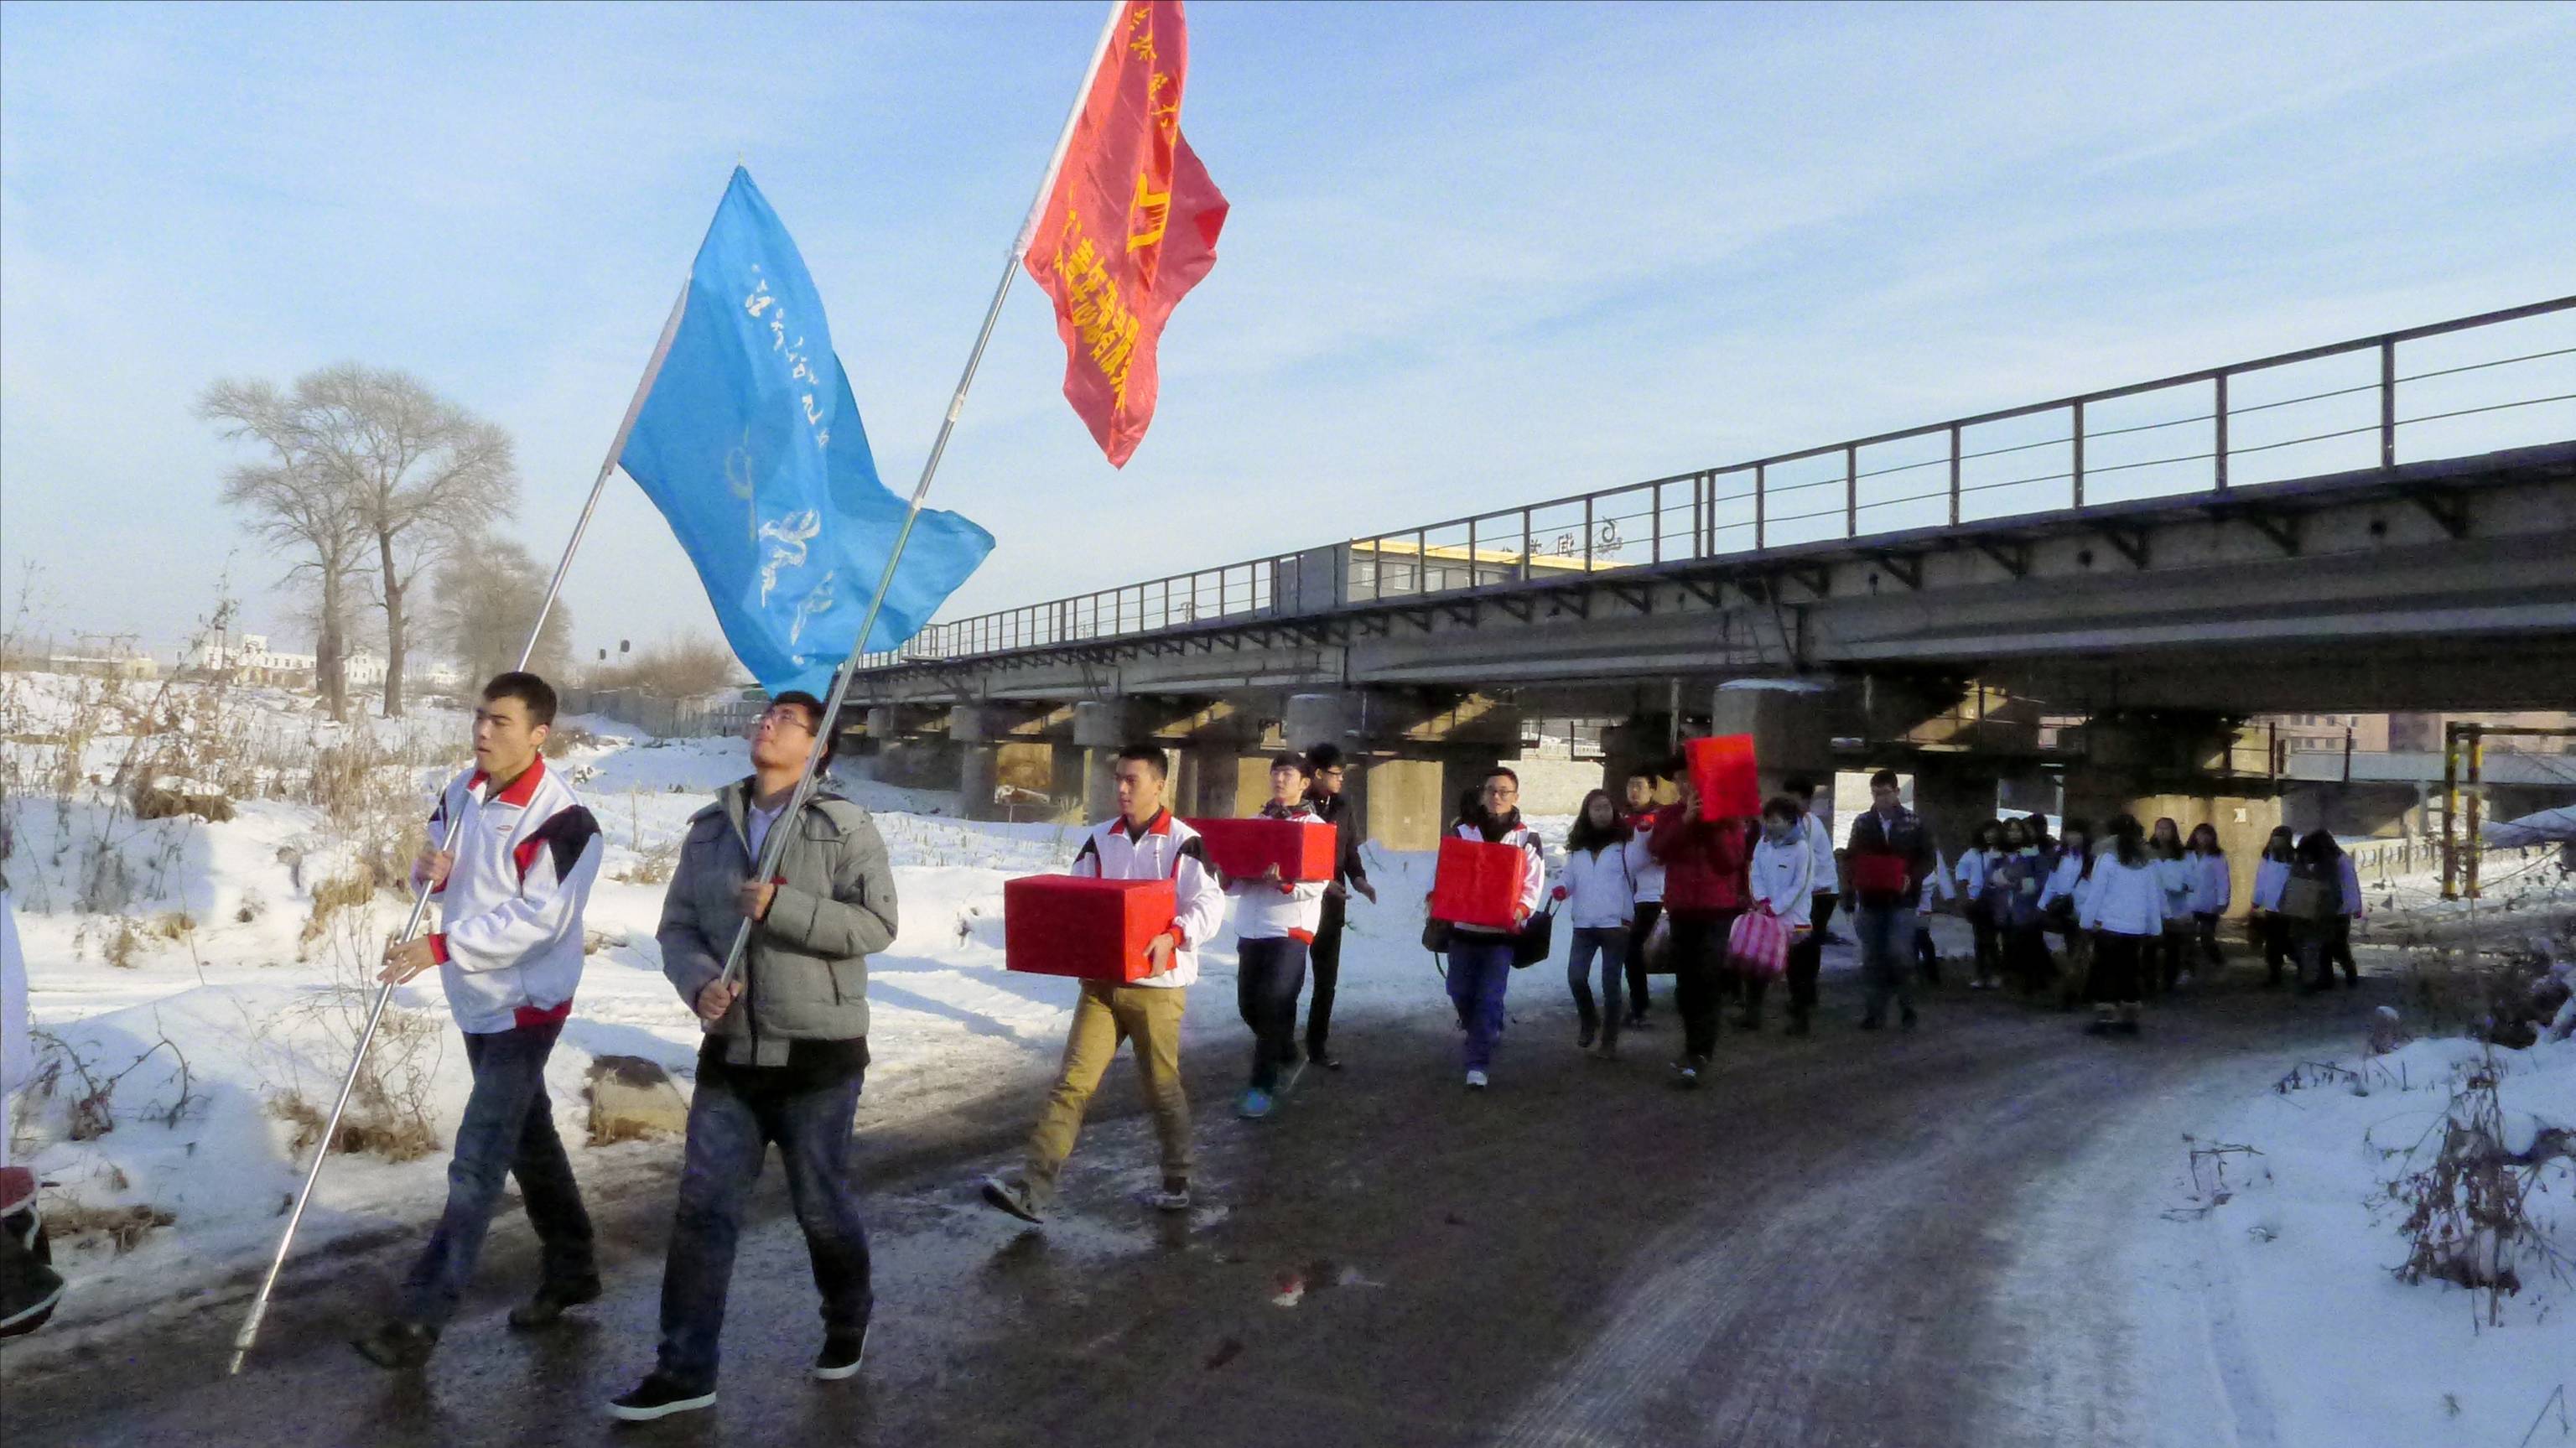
785,1052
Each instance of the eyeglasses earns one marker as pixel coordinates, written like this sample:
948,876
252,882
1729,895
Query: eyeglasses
1502,791
784,714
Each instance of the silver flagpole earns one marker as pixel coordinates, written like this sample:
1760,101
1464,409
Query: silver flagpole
249,1332
776,842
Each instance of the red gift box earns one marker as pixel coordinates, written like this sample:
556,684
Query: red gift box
1878,874
1246,848
1721,769
1474,883
1093,929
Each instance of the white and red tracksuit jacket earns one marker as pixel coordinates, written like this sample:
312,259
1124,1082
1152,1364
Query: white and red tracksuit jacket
1273,909
1165,849
509,948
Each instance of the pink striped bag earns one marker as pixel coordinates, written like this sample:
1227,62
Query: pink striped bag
1758,945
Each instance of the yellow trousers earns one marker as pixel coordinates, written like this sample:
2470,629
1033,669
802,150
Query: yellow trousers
1105,1016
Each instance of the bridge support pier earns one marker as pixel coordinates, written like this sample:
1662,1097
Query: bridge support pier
1792,731
1101,727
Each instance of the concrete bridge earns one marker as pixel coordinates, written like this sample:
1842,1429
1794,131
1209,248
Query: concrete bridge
2090,589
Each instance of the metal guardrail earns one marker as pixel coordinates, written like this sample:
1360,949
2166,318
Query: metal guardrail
2070,453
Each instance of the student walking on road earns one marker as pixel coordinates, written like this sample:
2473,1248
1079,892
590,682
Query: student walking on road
1143,842
1328,772
785,1053
1807,951
2125,911
1985,850
2169,954
509,954
1480,957
1705,865
2265,920
1890,857
2213,889
2313,901
2061,907
1648,874
1274,925
1600,901
2013,881
1781,883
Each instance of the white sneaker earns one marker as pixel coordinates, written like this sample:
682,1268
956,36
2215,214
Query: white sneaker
1475,1080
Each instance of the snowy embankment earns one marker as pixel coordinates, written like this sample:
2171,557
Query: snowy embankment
198,1007
2277,1261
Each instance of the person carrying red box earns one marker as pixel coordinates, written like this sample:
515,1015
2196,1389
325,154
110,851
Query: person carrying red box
1707,865
1143,843
1480,957
1891,855
1274,925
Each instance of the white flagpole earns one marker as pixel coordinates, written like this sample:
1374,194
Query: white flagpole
775,844
249,1332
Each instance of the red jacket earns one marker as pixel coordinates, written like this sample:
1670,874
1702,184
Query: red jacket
1707,865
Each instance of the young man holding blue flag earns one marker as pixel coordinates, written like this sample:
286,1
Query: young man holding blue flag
786,1050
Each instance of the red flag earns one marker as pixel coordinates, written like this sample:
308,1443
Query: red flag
1129,228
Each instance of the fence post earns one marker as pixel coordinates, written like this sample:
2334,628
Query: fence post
1851,491
2220,412
1529,569
2079,452
2388,404
1954,475
1761,507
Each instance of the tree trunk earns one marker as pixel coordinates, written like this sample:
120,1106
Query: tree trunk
328,676
393,626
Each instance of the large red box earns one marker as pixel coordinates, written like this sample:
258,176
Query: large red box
1246,848
1474,883
1093,929
1721,769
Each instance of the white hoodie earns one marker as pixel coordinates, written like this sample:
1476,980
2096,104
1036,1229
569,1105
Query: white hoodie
1783,876
509,945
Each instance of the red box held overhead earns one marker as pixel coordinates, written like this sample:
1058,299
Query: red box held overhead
1301,849
1721,769
1092,929
1474,883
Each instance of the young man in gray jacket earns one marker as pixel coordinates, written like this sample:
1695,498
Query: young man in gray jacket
785,1053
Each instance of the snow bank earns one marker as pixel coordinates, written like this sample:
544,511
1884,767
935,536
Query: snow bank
2298,1256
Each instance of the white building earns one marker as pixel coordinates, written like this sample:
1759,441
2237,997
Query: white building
250,660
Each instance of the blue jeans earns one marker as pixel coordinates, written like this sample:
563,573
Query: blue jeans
508,1130
1268,976
1611,945
1886,948
730,1131
1480,969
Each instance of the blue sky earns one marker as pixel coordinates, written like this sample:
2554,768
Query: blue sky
1477,255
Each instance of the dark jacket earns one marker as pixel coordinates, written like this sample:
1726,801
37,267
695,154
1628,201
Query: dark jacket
1707,863
805,976
1335,810
1905,840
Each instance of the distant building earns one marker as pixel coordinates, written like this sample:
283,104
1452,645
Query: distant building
2425,731
114,666
249,660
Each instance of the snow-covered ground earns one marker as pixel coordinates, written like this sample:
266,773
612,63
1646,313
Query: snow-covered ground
254,1007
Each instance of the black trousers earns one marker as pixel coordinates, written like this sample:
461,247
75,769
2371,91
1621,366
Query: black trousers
1268,976
2116,971
1648,912
2273,929
1807,955
1699,976
1324,958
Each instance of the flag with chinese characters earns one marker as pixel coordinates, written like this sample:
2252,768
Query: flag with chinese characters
750,443
1129,228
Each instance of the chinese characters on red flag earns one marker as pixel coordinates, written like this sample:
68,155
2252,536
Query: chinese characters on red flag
1130,227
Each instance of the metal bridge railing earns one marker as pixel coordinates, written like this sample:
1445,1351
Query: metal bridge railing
2473,384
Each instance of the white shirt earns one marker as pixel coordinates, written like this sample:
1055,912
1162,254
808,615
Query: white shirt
1644,869
2126,899
2213,886
2269,876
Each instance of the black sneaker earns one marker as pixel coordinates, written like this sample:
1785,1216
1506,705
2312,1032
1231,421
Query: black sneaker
1323,1058
1908,1019
842,1354
1584,1038
397,1345
658,1397
1871,1023
546,1308
1012,1197
1639,1022
1798,1024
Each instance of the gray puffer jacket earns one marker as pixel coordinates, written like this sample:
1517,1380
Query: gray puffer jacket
806,974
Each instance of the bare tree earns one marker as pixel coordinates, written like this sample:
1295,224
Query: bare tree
481,617
303,510
423,475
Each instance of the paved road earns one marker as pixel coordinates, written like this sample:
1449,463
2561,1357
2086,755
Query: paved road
1829,1244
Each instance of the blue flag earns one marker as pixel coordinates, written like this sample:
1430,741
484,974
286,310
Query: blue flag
750,443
